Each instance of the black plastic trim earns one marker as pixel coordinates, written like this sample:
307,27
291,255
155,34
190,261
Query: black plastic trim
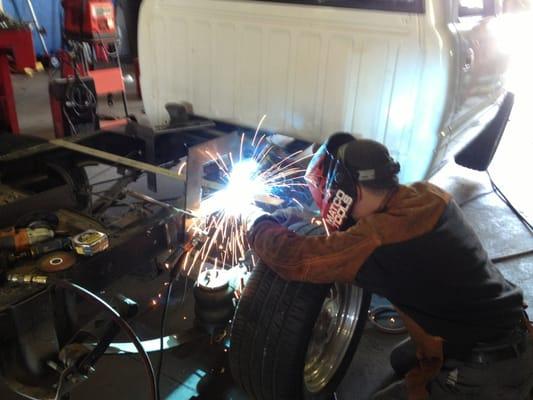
415,6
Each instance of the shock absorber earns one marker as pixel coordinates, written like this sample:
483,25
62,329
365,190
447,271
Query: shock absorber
214,305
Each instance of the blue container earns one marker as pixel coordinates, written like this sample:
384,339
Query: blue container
50,16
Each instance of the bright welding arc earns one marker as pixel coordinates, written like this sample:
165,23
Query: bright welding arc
222,215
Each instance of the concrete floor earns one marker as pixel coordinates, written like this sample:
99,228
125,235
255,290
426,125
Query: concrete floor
199,371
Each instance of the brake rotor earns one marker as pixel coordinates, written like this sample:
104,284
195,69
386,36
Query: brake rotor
57,261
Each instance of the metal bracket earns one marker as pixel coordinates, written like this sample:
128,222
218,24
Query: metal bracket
198,156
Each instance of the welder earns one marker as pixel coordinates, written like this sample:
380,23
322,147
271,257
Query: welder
411,244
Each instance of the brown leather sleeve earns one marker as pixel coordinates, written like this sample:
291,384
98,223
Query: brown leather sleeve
318,259
411,212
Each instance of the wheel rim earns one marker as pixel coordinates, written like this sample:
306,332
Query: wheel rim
332,335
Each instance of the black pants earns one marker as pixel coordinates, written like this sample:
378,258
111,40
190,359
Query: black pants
510,379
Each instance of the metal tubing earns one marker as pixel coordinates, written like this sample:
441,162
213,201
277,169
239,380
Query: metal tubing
38,27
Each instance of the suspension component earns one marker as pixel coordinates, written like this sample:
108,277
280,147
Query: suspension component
214,305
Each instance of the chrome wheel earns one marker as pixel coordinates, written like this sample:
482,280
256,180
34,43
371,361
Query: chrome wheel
332,335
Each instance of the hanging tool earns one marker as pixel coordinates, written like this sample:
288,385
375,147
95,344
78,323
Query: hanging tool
38,28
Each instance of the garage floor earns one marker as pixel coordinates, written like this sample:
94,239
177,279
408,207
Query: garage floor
198,370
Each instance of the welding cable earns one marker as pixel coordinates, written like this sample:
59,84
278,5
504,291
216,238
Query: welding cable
474,198
172,278
508,203
72,127
119,320
80,97
168,292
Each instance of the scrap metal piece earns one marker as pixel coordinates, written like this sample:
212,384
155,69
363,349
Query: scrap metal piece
117,159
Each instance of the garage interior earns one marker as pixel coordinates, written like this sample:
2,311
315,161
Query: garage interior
497,202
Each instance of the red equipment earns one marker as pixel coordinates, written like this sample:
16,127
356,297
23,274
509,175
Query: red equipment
18,44
90,62
89,19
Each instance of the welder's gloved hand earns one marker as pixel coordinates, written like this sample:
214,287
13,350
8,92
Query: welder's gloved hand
253,214
292,215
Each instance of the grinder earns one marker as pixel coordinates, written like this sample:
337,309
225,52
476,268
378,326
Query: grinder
19,240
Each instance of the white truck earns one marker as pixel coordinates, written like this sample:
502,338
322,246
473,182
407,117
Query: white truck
420,76
425,77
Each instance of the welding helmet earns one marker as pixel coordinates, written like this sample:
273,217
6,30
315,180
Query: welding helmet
337,168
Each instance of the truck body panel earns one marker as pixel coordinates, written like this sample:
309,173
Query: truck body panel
312,70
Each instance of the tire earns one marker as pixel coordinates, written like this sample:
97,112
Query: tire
276,335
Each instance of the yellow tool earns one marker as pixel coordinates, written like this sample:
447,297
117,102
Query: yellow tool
90,242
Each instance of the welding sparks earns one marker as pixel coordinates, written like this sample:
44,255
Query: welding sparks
253,178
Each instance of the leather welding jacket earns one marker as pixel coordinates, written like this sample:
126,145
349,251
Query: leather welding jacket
420,253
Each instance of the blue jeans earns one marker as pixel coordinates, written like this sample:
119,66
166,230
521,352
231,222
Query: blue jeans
510,379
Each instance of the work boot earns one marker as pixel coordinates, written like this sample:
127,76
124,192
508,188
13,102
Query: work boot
403,357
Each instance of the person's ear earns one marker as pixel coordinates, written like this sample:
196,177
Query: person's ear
359,192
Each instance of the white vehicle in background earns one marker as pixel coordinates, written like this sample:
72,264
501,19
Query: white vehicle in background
421,76
425,77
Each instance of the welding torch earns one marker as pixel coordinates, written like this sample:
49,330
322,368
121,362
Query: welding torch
176,259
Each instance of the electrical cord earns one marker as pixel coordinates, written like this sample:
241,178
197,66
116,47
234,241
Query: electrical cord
172,278
79,98
73,129
508,203
170,285
474,198
501,195
119,320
